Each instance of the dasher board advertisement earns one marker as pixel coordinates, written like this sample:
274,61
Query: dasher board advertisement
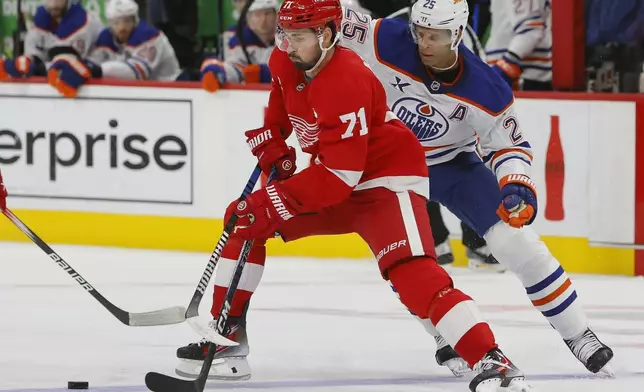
111,149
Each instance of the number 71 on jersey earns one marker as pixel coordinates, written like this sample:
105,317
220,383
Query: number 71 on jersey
352,119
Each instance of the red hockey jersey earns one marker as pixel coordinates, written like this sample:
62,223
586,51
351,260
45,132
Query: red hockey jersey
341,117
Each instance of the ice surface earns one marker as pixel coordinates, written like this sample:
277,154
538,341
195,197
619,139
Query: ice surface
314,325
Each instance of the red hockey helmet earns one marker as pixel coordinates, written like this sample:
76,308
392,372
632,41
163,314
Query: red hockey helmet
314,14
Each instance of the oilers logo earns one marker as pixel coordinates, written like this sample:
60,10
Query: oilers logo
427,122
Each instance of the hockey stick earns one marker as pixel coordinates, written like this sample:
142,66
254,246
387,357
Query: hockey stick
20,32
192,313
158,382
220,20
241,23
172,315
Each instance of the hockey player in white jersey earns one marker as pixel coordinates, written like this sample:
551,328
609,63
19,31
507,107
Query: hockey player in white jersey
520,42
56,23
132,49
128,49
450,99
479,257
245,58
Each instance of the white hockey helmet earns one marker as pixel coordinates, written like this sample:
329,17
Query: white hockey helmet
115,9
264,5
443,15
355,5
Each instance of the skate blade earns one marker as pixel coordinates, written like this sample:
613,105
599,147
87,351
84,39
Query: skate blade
224,369
499,385
607,371
481,267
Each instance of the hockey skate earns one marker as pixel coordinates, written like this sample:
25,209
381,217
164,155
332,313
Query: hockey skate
446,356
444,254
481,260
230,363
591,352
495,373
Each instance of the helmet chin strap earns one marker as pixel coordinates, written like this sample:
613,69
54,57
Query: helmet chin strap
324,52
451,66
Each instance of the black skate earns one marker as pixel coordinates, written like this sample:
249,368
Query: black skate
446,356
444,254
591,352
496,373
230,363
481,260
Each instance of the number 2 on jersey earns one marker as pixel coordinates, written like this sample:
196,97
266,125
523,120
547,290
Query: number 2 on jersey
515,132
352,119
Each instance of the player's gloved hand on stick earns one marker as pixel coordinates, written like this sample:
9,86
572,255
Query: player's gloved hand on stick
271,151
519,200
262,212
3,194
213,75
20,67
509,68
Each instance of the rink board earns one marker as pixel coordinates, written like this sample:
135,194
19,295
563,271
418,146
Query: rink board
193,234
155,167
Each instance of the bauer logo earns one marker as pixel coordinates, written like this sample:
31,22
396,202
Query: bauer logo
427,122
98,149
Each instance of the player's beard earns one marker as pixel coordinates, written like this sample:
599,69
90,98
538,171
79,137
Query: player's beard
305,66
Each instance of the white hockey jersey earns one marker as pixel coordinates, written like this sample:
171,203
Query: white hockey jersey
523,28
235,58
147,55
447,118
228,34
77,28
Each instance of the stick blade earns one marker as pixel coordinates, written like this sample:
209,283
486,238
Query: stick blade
210,334
174,315
158,382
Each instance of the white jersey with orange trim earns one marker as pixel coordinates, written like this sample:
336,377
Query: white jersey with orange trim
447,118
147,55
77,28
235,58
522,27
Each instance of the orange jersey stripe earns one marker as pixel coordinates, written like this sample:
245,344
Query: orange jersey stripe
554,295
507,150
535,23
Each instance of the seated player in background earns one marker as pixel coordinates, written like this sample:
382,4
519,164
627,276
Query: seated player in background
56,24
520,44
367,177
128,49
131,49
245,60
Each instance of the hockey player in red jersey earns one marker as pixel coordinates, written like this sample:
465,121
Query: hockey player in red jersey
368,176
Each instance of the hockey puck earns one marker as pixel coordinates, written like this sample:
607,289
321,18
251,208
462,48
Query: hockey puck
77,385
